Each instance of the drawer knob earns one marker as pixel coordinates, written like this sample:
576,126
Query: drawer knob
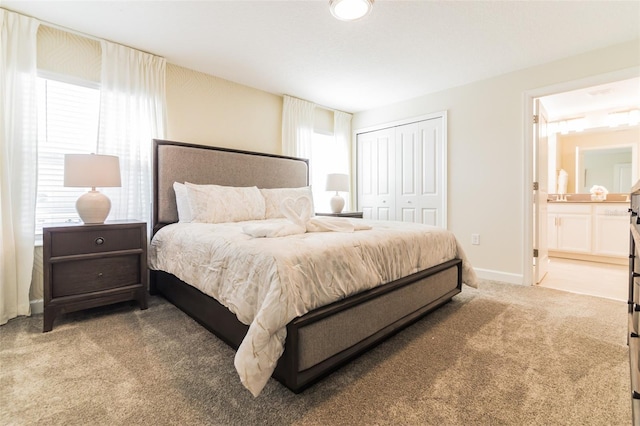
99,241
99,274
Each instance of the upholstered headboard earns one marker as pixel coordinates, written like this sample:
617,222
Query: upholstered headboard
181,162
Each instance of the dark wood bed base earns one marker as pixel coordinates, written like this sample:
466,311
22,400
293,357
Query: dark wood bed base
431,288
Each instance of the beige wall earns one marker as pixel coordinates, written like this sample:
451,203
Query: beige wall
486,143
568,143
207,110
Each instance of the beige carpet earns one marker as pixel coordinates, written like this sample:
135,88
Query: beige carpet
501,355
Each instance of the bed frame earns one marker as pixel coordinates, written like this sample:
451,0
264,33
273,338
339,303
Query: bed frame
324,339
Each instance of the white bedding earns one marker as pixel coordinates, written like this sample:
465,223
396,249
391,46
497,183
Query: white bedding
267,282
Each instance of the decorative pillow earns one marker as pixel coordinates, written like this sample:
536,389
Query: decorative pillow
182,202
217,204
274,197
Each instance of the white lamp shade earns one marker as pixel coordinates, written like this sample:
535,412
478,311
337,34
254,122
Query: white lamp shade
91,170
338,182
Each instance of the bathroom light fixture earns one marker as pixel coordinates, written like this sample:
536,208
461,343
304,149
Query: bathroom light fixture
350,10
91,170
624,118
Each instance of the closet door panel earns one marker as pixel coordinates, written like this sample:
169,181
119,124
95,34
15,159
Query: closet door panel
384,213
408,214
375,174
384,168
407,152
430,217
409,161
432,172
420,150
429,162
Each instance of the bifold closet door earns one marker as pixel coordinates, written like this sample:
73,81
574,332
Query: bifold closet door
401,173
376,156
419,191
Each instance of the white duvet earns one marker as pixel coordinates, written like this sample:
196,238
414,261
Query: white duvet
267,282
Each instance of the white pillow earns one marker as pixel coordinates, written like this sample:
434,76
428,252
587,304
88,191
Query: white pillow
217,204
273,198
182,202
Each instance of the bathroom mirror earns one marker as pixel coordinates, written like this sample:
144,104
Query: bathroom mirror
607,157
611,167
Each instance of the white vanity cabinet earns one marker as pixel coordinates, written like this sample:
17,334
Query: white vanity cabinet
589,231
611,230
569,227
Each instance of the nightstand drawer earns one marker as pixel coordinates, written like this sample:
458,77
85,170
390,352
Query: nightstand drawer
85,276
95,241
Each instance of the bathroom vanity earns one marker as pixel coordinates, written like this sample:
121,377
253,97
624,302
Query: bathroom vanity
588,230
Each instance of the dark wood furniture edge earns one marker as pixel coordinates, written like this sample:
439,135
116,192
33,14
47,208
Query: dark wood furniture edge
633,304
355,215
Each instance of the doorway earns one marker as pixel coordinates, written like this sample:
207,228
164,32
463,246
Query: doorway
586,116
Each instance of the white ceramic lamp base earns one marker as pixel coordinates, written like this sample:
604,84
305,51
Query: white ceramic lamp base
337,203
93,207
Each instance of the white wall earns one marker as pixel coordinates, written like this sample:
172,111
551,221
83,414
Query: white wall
486,152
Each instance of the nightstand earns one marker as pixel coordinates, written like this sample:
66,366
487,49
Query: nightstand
357,215
86,266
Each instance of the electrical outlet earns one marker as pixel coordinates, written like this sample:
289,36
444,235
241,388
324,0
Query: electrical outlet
475,239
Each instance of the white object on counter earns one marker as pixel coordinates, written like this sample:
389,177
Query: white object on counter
563,178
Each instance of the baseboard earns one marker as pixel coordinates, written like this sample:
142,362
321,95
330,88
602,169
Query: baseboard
505,277
591,258
37,306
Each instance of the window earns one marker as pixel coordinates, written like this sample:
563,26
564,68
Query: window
327,156
67,124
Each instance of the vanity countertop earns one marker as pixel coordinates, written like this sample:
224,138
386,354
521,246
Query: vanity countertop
586,202
619,198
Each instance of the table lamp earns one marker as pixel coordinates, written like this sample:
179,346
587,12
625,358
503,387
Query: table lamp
338,182
91,170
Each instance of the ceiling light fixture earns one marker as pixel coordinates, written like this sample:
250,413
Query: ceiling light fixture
350,10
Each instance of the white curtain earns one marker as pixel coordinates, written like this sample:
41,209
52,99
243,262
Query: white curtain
342,136
297,127
132,113
18,164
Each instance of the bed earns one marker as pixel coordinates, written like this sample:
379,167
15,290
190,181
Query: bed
322,339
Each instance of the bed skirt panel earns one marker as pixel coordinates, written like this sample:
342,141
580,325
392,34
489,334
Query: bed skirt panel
327,337
323,340
305,362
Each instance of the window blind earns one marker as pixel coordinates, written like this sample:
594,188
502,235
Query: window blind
67,124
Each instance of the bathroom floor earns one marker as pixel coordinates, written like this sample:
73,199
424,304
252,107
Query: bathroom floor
592,278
